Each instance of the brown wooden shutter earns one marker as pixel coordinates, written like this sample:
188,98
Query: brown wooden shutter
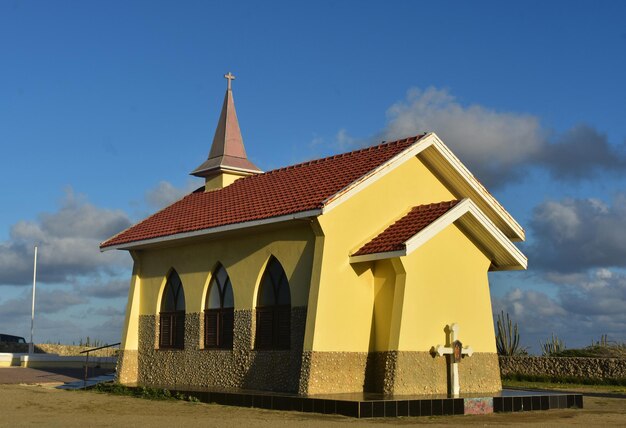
179,330
226,328
165,333
210,328
264,327
283,327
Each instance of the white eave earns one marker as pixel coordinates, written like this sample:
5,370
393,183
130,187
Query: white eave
212,230
429,148
468,216
436,155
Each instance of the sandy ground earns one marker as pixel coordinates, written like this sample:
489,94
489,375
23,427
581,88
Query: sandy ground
44,406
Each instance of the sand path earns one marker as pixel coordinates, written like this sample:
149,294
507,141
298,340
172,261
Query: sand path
29,405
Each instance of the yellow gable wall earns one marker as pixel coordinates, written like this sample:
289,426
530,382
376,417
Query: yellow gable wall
446,283
344,305
243,255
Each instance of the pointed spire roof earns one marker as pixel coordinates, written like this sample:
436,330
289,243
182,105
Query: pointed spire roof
227,152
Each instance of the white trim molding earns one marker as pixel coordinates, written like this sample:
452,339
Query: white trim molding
463,183
213,230
505,256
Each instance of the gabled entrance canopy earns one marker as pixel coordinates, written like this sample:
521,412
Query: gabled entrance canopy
425,221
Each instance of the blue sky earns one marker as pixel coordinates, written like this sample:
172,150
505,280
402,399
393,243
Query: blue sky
105,107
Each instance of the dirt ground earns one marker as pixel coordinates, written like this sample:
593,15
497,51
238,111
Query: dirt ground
44,406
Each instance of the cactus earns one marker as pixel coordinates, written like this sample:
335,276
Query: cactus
552,346
603,342
507,336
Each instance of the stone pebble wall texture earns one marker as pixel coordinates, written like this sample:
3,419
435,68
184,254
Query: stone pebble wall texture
337,372
241,367
421,373
294,370
593,368
394,372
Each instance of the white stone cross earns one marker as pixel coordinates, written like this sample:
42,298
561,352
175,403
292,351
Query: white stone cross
230,77
456,351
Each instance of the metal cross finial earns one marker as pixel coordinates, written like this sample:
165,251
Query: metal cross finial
230,78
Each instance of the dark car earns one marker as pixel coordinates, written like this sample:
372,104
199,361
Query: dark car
11,339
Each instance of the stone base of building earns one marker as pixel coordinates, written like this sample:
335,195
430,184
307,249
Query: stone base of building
395,372
127,367
294,370
240,367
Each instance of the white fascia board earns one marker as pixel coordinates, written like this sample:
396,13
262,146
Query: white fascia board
430,139
240,170
424,235
230,169
467,207
213,230
469,178
377,256
378,173
506,268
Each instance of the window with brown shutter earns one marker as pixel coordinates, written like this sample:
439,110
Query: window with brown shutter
273,312
219,314
172,315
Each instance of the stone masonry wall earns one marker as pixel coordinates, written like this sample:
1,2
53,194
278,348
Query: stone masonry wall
395,372
594,368
241,367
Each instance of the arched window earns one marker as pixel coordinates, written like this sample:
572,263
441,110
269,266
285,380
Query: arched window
219,312
172,326
273,312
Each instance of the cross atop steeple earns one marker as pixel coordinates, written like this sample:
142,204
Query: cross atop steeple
227,159
230,77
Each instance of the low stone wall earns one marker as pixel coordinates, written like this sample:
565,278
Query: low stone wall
48,361
592,368
63,350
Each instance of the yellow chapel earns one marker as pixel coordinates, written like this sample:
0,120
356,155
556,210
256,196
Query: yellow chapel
340,274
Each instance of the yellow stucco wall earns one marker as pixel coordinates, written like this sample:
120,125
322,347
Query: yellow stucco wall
243,254
130,334
384,291
345,299
221,180
397,304
446,283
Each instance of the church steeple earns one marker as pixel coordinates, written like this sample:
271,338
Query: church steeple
227,159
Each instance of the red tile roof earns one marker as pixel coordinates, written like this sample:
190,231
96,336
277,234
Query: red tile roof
395,236
284,191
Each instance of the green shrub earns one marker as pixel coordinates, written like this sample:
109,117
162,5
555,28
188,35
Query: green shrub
141,392
599,349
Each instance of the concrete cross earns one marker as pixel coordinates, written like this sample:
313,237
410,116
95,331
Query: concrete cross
230,77
456,351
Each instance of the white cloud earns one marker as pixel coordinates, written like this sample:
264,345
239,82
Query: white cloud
573,235
584,307
165,193
497,146
491,142
110,289
47,302
581,152
68,241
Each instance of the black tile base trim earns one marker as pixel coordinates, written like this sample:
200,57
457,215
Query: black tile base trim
370,406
